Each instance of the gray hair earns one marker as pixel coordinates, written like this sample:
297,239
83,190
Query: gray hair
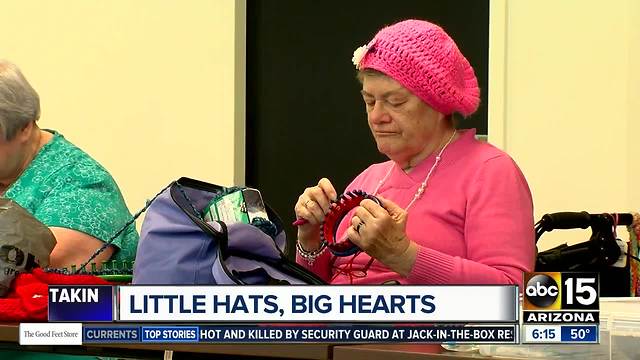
19,103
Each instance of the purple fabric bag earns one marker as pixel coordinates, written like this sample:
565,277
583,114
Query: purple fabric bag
249,256
177,247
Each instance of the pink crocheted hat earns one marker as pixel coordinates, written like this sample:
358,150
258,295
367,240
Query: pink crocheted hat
424,59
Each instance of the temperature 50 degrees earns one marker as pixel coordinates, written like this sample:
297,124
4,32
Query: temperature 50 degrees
581,333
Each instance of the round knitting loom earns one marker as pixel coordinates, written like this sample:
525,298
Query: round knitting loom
339,209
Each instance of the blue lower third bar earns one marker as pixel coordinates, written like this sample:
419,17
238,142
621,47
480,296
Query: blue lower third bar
110,334
80,303
170,334
579,333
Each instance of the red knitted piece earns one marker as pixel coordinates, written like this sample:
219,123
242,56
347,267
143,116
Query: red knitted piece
29,295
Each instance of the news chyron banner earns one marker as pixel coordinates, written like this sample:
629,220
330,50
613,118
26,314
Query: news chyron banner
413,304
275,314
561,307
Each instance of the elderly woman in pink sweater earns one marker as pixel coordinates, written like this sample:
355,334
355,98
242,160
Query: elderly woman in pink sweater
453,210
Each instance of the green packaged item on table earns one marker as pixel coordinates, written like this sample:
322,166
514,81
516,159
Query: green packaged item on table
238,206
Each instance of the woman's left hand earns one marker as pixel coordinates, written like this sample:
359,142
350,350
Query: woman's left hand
380,231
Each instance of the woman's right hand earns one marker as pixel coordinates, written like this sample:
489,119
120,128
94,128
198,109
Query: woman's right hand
313,205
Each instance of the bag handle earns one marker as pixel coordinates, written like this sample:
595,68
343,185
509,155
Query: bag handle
123,228
189,211
183,181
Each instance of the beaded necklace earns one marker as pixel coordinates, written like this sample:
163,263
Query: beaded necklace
423,185
348,267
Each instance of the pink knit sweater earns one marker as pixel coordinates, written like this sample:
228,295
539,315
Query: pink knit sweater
474,222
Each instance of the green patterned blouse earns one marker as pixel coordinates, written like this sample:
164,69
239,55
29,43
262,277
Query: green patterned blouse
64,187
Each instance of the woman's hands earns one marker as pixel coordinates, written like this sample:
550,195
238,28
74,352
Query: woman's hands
380,231
312,206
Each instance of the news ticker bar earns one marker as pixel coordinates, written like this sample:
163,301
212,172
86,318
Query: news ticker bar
566,334
78,334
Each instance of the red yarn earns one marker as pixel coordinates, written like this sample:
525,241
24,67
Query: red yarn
29,295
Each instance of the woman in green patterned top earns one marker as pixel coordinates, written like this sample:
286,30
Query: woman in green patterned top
58,183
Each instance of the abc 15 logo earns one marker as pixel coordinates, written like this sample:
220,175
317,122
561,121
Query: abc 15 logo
561,291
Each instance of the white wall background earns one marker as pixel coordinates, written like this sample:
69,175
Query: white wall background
567,93
147,87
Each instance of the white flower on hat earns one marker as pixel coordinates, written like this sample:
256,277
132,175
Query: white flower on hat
358,54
